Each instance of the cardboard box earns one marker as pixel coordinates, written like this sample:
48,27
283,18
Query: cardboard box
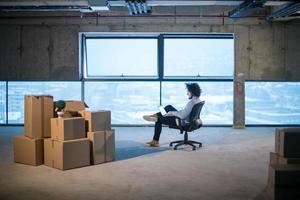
38,112
287,142
28,151
275,158
97,120
67,128
67,154
74,105
97,144
109,145
70,114
284,175
103,146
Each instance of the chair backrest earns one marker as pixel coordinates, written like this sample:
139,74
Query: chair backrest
195,116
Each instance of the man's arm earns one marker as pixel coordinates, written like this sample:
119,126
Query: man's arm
182,114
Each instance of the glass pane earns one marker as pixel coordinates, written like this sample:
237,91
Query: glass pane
128,101
218,96
198,57
17,90
272,102
121,57
2,102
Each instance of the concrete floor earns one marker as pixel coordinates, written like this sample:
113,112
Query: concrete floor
232,165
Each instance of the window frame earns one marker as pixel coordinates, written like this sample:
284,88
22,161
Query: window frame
199,36
160,55
160,51
84,62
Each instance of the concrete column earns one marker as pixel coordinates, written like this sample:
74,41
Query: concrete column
239,101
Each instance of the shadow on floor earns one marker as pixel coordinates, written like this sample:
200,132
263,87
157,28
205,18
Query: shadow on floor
127,149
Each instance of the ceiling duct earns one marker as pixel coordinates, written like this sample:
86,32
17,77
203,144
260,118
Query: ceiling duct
44,8
284,11
98,5
246,8
137,7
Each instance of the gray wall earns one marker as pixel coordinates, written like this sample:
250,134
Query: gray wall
46,48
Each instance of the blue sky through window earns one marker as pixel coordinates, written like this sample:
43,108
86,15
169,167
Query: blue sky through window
272,102
59,90
193,57
2,102
116,57
128,101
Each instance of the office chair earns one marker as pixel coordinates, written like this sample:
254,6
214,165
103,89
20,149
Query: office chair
194,124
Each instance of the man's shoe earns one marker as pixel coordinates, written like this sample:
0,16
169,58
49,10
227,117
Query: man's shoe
153,143
150,118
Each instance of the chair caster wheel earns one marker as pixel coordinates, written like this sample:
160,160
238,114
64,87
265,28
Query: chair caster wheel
194,148
175,148
170,145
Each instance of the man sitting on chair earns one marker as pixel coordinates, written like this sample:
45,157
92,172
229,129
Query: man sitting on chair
193,93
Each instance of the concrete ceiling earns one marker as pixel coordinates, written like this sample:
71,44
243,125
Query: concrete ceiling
118,7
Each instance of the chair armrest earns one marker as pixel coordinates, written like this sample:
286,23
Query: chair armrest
179,124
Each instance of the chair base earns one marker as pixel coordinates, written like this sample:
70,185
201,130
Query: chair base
185,142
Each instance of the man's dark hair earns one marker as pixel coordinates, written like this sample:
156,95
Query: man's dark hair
194,88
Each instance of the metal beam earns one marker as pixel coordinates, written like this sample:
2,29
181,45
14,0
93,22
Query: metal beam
284,11
247,8
44,3
181,3
98,5
196,3
123,3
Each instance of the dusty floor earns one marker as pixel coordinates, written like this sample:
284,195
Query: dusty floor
232,165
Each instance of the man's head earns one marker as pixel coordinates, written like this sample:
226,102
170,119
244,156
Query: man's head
194,89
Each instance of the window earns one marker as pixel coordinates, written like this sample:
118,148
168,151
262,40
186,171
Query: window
157,65
198,57
128,101
272,103
17,90
2,102
218,97
121,57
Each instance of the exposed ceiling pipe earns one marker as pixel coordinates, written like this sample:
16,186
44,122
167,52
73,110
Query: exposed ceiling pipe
286,18
122,3
284,11
247,8
44,3
86,6
94,15
196,3
45,8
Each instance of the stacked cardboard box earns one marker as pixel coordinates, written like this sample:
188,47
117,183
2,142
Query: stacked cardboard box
100,134
67,154
284,168
68,146
28,149
75,141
